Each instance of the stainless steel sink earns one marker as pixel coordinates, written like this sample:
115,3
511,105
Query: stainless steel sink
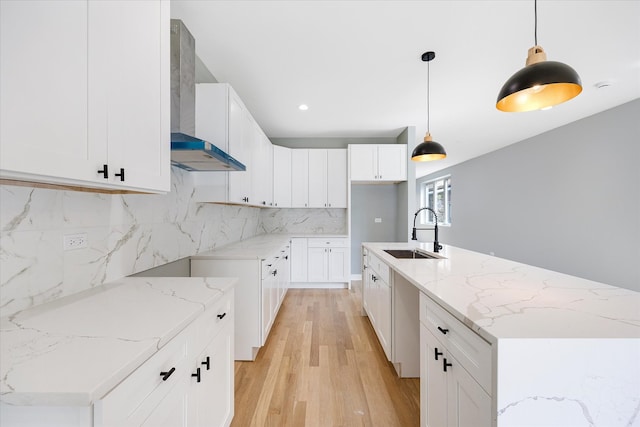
408,254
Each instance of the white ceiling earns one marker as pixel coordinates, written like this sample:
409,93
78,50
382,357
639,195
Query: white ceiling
357,64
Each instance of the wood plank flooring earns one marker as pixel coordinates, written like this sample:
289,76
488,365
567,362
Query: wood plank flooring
323,366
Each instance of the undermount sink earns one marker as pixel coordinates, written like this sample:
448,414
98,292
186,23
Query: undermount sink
406,253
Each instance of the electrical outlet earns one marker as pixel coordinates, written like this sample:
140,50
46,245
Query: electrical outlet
377,220
492,253
74,241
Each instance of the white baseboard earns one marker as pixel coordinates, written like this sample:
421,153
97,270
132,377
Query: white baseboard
356,276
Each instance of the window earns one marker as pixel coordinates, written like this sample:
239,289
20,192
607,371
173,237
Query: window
436,194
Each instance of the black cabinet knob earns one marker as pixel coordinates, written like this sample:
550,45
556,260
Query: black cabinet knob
444,331
165,375
121,174
221,316
207,363
197,375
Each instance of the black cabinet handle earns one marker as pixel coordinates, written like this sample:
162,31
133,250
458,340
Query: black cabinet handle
121,174
444,331
104,171
166,375
197,375
221,316
275,272
445,364
286,257
438,353
207,363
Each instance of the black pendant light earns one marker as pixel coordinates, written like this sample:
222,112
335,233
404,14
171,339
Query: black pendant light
540,84
429,149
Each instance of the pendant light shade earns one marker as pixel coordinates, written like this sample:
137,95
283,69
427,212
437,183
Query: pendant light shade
540,84
428,150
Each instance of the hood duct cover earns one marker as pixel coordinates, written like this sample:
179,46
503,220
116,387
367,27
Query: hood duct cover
187,151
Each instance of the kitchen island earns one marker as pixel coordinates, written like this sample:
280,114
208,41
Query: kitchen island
120,354
507,343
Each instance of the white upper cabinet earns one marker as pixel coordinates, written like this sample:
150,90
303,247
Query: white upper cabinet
223,120
262,171
281,177
378,162
328,178
103,98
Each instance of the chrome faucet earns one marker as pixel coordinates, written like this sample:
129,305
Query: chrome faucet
436,246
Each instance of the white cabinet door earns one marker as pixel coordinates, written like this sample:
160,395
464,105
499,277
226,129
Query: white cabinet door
433,381
317,265
299,178
317,178
213,395
392,162
43,112
337,265
241,140
467,403
281,177
268,283
337,181
364,162
299,253
129,89
262,169
384,316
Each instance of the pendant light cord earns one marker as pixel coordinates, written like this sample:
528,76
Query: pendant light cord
535,23
428,129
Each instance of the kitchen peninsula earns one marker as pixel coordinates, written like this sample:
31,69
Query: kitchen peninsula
507,343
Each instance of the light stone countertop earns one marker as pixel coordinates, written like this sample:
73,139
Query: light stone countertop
501,299
75,350
258,247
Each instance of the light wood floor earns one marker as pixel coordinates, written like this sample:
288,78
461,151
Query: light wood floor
322,366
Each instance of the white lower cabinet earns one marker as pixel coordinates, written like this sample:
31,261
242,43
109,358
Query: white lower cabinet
188,382
260,291
455,371
320,260
377,299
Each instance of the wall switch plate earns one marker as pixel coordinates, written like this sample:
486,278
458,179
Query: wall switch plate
377,220
74,241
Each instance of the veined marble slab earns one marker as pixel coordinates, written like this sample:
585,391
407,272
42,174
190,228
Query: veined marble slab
73,351
498,298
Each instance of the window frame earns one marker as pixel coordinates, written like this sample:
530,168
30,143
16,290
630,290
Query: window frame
425,217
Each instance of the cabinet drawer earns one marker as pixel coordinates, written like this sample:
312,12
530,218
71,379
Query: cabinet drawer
378,268
135,398
212,321
317,242
471,351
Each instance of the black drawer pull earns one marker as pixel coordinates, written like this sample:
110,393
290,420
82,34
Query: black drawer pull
444,331
221,316
166,375
121,174
445,364
438,353
207,363
197,375
104,171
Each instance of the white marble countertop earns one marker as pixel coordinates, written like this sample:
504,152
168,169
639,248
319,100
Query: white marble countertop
75,350
258,247
502,299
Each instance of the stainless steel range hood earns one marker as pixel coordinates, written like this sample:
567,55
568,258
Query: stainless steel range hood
188,151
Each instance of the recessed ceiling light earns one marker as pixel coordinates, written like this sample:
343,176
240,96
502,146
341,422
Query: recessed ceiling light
603,84
303,107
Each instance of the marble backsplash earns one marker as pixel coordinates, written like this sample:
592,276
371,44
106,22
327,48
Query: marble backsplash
126,234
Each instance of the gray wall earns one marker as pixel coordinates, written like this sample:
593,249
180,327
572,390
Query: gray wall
367,203
567,200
